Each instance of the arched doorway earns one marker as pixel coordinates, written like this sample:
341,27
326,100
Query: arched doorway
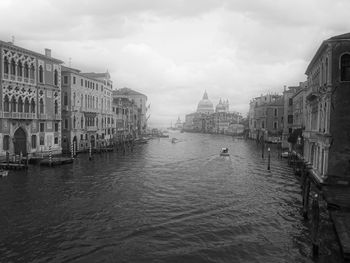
20,142
92,140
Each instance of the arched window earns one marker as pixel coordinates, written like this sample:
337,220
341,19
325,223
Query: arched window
82,122
41,74
32,72
74,121
13,67
26,70
345,67
32,104
19,69
41,106
56,77
26,105
13,104
20,104
6,104
6,66
56,107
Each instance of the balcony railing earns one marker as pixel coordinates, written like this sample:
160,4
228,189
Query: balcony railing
42,116
91,128
18,115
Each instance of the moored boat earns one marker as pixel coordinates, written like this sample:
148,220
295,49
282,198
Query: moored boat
3,173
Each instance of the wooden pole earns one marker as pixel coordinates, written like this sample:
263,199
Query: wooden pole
268,159
315,225
50,156
90,156
306,198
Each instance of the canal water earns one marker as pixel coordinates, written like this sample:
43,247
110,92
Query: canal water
162,202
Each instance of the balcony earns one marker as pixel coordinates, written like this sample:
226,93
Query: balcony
57,117
6,76
91,128
42,116
18,115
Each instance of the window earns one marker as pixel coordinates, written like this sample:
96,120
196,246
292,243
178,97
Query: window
81,137
263,125
65,99
13,104
32,106
290,130
6,104
32,72
26,70
73,80
66,123
290,102
82,122
56,140
6,66
81,82
41,74
56,126
42,127
345,67
33,141
26,105
56,107
56,77
276,112
65,79
6,142
20,104
275,125
13,67
41,106
42,141
19,69
290,119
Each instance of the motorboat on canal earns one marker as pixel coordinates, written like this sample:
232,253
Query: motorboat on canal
224,152
3,173
173,140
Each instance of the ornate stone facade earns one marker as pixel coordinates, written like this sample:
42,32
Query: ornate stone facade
30,108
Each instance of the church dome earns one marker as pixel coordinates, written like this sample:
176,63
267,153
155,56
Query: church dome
205,105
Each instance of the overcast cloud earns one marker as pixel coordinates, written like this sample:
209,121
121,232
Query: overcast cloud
174,50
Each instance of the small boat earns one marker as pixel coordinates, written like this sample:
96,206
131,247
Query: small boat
224,152
3,173
285,154
173,140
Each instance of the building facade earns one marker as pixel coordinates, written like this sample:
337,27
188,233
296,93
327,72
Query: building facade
30,104
87,118
266,117
140,100
327,124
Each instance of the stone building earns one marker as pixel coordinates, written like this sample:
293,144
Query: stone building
127,117
139,100
86,110
266,117
327,126
30,104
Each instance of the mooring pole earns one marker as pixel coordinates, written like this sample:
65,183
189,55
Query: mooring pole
306,198
90,157
71,151
268,159
315,225
50,156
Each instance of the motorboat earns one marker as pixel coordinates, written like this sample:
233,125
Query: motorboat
285,154
224,152
173,140
3,173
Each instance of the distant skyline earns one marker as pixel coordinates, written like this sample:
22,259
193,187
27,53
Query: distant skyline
172,51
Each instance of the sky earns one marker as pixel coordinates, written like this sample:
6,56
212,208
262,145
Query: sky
174,50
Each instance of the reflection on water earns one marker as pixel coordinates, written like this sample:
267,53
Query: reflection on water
163,202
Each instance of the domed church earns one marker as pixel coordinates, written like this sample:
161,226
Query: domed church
205,105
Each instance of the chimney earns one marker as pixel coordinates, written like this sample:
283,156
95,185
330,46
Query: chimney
47,52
